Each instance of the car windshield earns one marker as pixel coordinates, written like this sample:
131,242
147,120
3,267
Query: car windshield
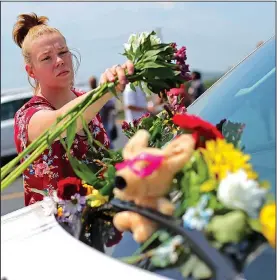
247,95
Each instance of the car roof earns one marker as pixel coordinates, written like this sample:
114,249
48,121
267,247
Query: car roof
15,94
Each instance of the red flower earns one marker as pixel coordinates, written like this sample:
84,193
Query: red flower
201,130
68,187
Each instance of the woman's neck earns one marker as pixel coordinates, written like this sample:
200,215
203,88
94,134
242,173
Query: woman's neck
57,97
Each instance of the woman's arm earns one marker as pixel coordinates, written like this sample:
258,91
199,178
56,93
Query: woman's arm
44,119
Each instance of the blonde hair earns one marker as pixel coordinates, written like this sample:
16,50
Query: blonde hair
27,28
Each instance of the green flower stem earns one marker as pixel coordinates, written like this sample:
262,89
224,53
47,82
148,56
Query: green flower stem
148,242
41,139
48,139
136,259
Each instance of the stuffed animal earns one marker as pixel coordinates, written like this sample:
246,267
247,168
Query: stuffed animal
145,177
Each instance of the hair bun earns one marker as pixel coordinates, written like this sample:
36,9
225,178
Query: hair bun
24,23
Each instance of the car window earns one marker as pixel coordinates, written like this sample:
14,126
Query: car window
247,96
8,109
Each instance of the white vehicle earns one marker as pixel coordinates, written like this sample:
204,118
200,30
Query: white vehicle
11,102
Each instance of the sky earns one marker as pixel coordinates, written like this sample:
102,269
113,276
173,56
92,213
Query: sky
217,34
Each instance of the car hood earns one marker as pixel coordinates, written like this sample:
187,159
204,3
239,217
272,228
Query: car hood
30,241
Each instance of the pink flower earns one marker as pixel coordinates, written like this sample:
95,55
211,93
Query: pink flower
173,45
176,91
181,57
125,125
180,109
41,169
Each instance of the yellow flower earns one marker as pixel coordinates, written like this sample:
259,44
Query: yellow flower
97,199
268,223
208,186
222,157
89,188
60,212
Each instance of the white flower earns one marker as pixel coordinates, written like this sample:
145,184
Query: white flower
238,192
155,40
135,40
168,251
49,206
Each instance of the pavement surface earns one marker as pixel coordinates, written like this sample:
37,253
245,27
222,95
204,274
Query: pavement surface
12,197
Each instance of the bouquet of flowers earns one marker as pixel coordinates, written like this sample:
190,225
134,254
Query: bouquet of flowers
216,192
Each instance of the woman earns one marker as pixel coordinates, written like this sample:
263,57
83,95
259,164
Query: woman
49,62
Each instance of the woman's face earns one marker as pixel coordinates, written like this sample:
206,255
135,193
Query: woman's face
51,62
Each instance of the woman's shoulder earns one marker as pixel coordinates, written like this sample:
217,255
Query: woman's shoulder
35,103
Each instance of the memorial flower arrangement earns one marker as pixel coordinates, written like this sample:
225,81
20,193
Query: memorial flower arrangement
217,192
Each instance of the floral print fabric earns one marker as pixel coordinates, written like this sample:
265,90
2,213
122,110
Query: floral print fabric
53,165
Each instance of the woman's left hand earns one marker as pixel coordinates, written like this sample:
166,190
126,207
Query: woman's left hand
118,71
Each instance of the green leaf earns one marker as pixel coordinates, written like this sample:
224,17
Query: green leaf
255,225
152,64
164,236
82,171
193,178
110,173
80,168
202,169
231,227
151,53
214,203
201,270
196,268
160,261
159,46
86,129
145,89
187,268
70,135
132,87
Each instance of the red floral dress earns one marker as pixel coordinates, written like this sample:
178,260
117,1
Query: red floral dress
53,165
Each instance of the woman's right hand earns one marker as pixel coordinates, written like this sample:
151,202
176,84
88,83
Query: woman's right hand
118,71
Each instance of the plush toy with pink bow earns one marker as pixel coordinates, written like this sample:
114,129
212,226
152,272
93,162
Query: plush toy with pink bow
145,177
